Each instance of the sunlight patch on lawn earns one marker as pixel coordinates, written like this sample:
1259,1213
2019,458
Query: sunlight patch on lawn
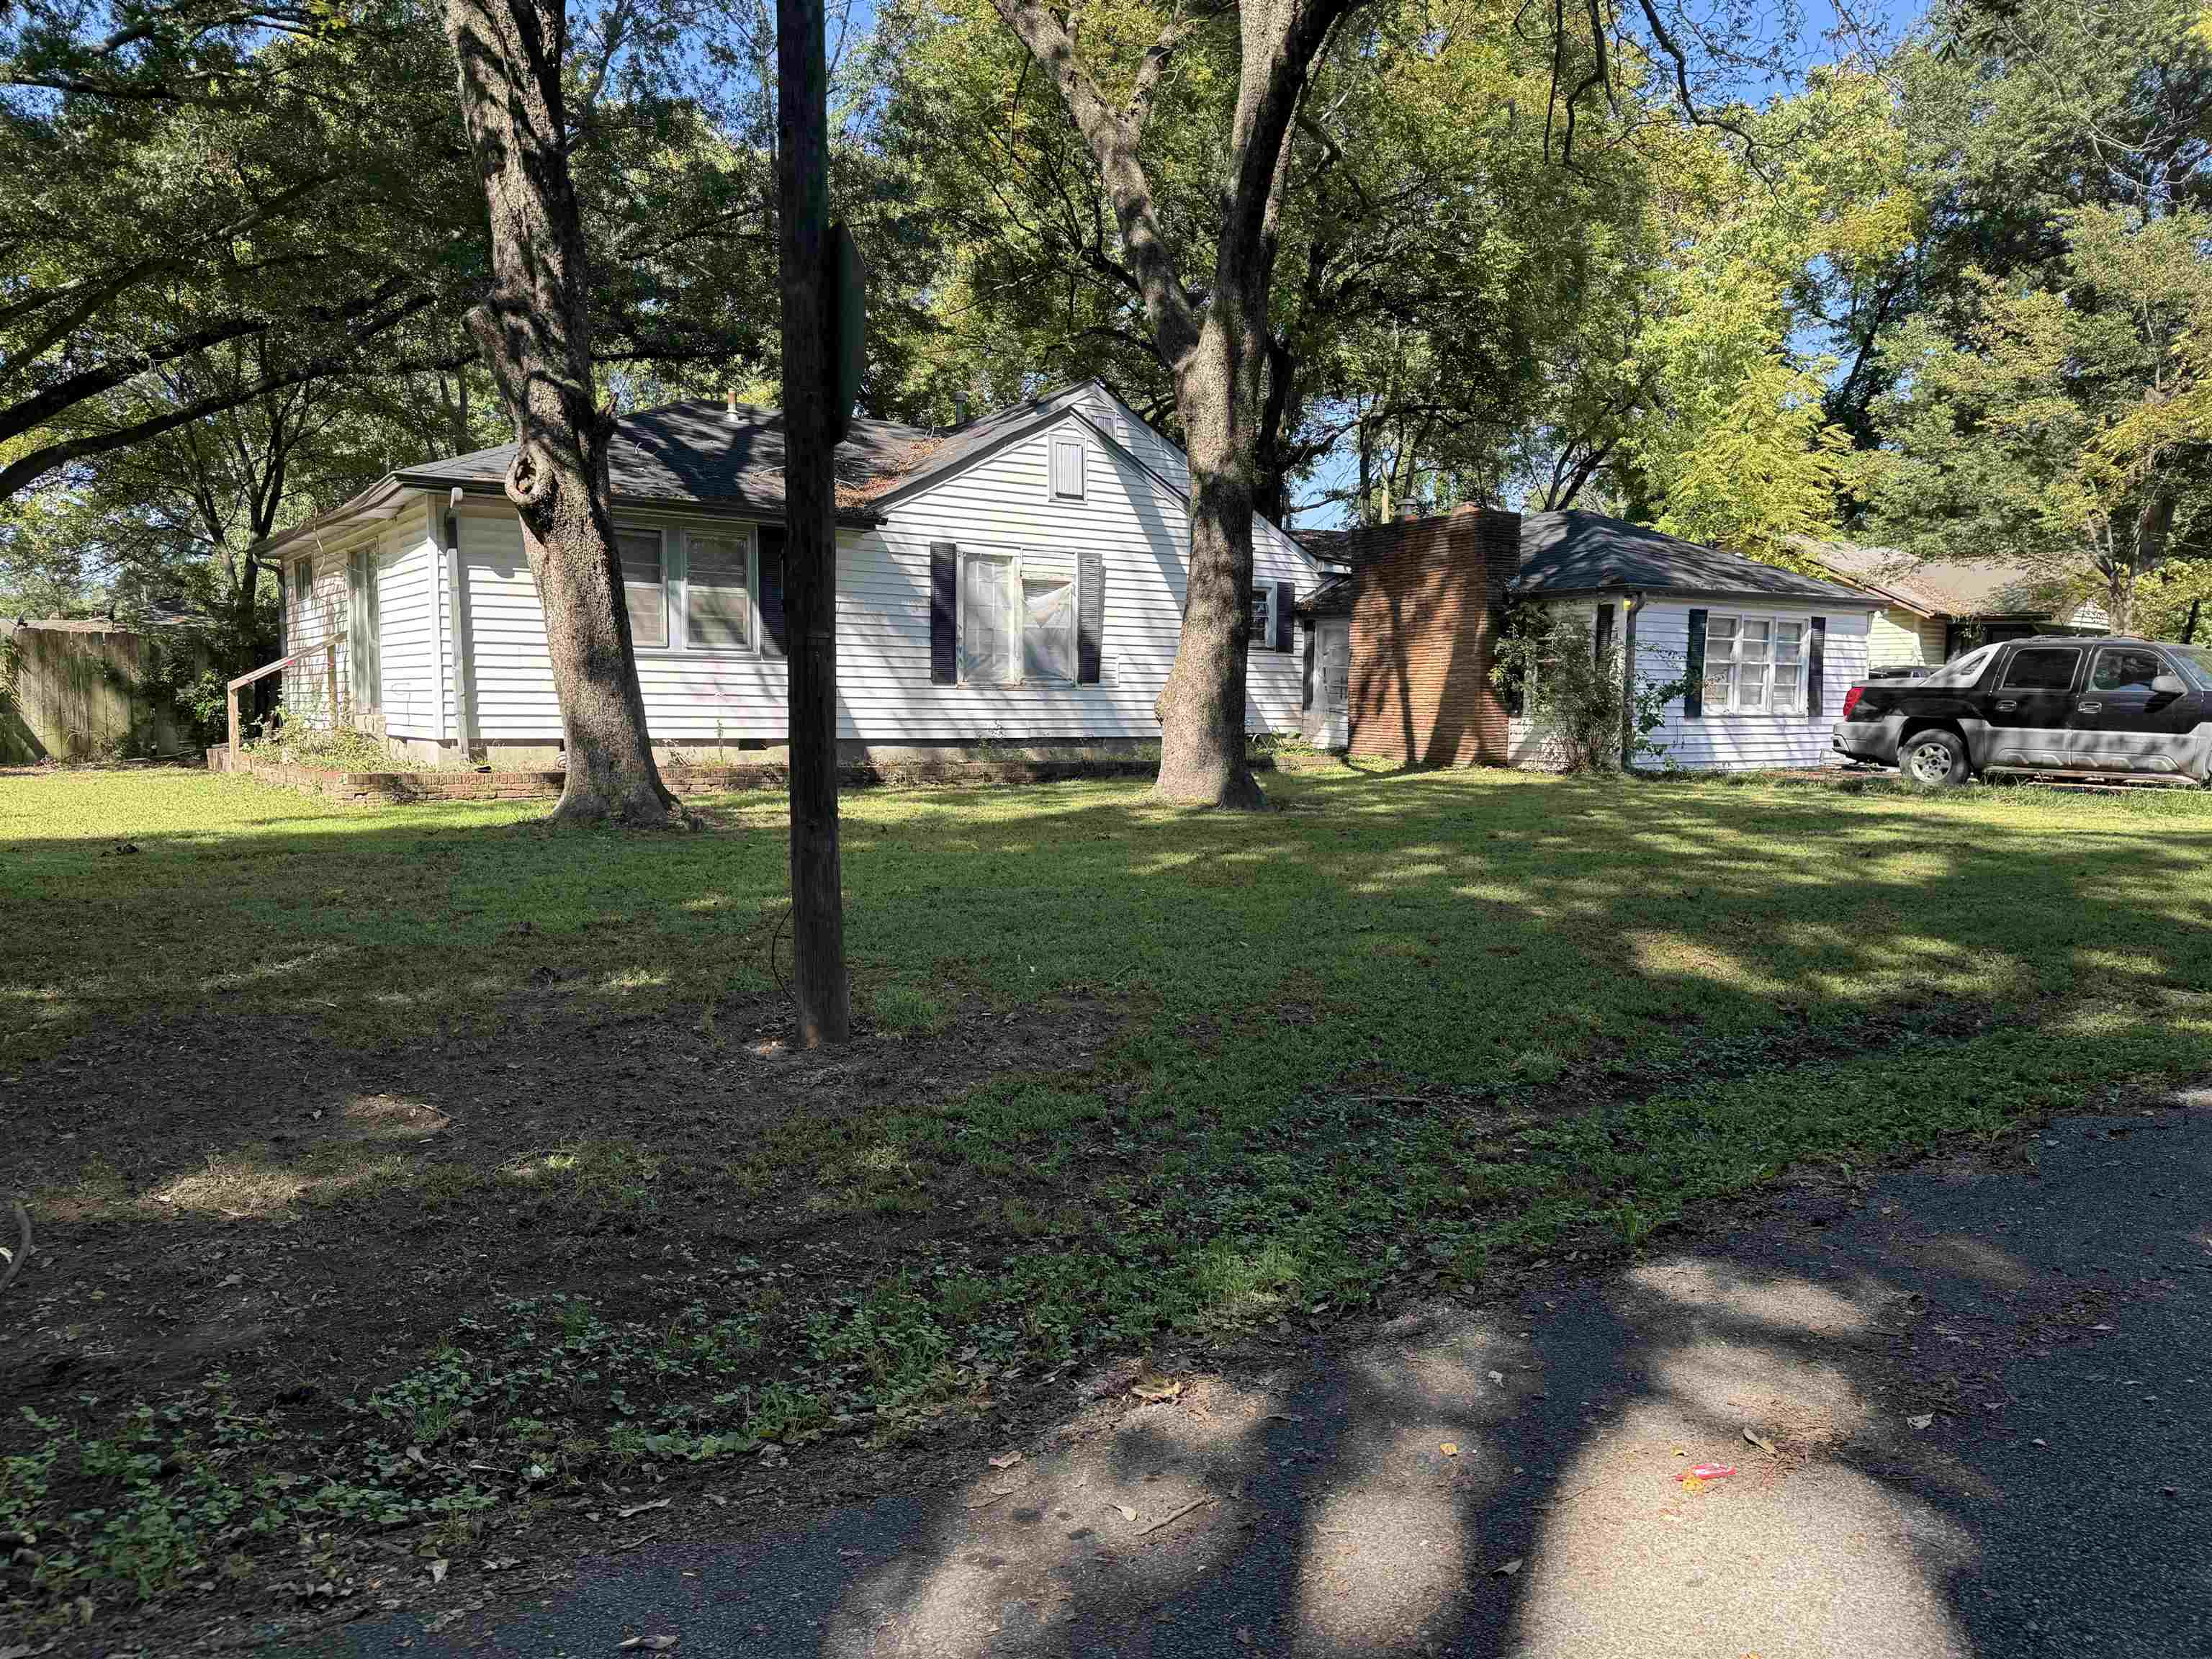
1675,955
238,979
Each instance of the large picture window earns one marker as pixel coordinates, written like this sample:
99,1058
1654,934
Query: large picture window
1048,627
1754,664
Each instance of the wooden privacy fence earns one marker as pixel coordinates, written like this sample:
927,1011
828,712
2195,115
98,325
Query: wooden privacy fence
330,679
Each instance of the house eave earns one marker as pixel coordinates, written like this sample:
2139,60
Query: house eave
1834,600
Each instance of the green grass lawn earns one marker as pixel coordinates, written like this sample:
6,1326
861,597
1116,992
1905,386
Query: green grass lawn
482,1140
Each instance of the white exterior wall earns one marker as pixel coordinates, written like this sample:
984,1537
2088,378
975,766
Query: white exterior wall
309,626
407,634
1000,504
1730,742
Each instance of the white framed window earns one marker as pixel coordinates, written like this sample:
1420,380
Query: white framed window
1754,664
1017,625
1263,615
645,586
718,591
303,580
1048,629
990,638
1068,458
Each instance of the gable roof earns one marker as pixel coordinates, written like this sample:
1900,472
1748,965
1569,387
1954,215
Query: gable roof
1932,588
705,455
1580,552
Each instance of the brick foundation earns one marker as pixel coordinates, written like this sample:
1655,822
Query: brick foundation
1427,598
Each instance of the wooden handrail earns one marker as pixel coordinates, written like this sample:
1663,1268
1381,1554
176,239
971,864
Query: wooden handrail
331,677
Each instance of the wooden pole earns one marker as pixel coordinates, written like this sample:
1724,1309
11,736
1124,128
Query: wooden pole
231,696
810,592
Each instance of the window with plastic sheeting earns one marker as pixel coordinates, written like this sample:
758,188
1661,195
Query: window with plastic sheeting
989,635
645,586
718,593
1048,627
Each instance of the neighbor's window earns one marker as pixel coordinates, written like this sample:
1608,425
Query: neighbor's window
645,586
1048,627
718,593
988,633
1755,665
2042,668
303,580
1068,479
2125,670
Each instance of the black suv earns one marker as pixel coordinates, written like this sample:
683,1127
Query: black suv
2107,707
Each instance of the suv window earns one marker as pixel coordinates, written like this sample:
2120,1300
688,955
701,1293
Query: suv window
2120,670
2042,668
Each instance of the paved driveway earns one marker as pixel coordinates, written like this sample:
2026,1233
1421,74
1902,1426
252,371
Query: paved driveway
2051,1326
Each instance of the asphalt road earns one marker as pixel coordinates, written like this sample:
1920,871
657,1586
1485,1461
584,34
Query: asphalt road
2052,1327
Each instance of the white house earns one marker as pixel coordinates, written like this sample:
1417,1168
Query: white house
1402,633
1017,578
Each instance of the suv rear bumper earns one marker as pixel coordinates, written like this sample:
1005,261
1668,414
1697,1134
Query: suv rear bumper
1874,742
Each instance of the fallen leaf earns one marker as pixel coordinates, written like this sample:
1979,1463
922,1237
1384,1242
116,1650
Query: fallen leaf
1128,1514
1450,1449
1759,1440
1923,1420
1149,1387
1498,1378
1006,1461
640,1509
438,1570
647,1643
1281,1417
1507,1570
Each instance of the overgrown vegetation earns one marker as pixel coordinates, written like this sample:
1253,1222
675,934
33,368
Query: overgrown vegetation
336,748
1575,693
482,1143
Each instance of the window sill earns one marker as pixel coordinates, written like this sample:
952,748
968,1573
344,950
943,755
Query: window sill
700,654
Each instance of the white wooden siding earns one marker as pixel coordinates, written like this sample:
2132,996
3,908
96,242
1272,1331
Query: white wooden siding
1000,504
310,626
407,597
1726,742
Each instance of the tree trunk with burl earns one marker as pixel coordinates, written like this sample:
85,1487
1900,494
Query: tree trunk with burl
534,328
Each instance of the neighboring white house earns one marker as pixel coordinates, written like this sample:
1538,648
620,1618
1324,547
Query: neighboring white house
1017,578
1768,655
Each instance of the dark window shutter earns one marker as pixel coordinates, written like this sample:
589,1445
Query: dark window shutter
773,640
1286,616
1090,616
1816,668
1602,636
1694,699
944,613
1306,679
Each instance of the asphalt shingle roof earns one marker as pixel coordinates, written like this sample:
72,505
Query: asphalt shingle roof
1579,552
1940,588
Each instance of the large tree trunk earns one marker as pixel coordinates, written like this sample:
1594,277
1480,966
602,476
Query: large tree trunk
810,592
535,331
1215,348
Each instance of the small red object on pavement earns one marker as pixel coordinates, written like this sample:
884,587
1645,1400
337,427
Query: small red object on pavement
1710,1472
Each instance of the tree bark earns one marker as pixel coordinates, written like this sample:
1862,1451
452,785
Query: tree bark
534,328
809,592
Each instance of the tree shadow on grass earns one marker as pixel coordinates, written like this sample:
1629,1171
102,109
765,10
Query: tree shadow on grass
422,1072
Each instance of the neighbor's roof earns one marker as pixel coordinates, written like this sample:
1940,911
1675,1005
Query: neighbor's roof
1579,552
698,454
1936,589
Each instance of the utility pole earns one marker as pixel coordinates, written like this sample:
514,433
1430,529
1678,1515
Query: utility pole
813,422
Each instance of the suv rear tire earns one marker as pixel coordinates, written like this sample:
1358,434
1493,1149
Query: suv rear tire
1933,759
